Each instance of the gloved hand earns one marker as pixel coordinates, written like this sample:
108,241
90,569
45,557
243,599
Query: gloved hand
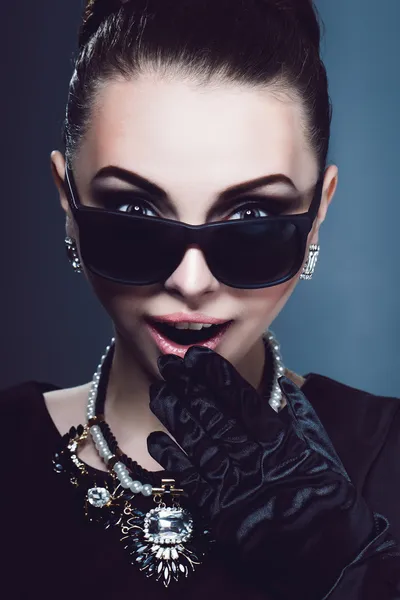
276,493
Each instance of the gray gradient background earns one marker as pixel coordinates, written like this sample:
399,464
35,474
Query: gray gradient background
344,324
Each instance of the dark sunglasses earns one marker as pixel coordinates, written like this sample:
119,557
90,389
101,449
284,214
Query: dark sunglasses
139,250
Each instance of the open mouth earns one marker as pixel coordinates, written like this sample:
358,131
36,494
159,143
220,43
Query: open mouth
186,337
170,339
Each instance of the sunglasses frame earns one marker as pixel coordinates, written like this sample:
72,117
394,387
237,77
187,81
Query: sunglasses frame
302,222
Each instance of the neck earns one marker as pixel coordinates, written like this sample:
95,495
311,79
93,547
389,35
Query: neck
127,396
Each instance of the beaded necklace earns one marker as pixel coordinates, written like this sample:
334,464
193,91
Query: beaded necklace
168,541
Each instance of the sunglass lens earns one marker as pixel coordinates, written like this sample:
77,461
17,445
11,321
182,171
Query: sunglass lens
256,254
133,251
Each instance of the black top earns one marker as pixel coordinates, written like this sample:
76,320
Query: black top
48,550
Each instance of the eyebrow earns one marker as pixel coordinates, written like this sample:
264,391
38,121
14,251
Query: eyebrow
223,199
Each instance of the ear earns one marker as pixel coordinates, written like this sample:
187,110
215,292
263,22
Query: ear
328,191
58,172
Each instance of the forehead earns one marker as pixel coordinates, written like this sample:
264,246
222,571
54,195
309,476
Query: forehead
174,131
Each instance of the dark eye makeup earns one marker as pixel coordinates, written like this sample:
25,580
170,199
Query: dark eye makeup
273,205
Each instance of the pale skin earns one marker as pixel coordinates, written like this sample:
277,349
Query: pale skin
194,143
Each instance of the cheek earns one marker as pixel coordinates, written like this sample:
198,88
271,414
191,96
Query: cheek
270,301
122,303
282,295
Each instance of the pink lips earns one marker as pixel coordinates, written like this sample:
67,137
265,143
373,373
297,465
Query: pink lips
167,346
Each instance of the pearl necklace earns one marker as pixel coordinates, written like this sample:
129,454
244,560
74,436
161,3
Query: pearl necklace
165,543
121,471
119,468
275,400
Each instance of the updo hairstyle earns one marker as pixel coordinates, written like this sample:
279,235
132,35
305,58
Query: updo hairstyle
272,44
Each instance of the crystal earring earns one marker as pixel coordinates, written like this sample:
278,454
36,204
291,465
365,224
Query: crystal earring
73,256
309,267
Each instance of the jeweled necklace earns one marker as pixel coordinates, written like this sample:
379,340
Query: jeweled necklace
165,542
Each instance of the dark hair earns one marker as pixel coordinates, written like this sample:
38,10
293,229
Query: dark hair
258,43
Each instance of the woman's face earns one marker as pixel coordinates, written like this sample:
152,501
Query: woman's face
194,143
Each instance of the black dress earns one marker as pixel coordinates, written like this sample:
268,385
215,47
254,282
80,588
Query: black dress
49,551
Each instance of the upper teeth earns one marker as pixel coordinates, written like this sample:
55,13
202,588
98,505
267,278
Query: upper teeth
197,326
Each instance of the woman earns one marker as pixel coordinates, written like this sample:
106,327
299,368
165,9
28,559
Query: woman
194,183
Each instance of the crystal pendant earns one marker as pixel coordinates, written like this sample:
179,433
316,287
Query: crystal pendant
157,543
99,497
169,525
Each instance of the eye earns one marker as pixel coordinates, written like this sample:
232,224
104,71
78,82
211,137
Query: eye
128,203
138,208
251,210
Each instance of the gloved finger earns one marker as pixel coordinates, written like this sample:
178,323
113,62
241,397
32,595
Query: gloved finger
199,398
201,405
173,371
170,366
308,426
181,379
233,394
173,413
168,454
222,428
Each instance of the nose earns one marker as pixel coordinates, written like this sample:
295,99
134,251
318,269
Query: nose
193,278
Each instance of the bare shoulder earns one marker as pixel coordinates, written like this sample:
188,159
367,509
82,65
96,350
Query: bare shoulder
67,407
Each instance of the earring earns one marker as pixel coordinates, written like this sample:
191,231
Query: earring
73,256
309,267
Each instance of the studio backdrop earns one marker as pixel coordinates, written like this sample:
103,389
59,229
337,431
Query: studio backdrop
344,324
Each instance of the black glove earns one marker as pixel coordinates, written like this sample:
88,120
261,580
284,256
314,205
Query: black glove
275,492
